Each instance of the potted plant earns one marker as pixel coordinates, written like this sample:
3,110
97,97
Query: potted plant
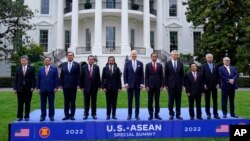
134,6
87,5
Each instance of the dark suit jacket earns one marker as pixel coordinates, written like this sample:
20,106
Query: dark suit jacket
133,79
209,78
173,78
193,87
70,80
86,82
111,82
49,82
225,76
29,78
154,79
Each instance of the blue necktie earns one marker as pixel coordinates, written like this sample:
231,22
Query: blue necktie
211,67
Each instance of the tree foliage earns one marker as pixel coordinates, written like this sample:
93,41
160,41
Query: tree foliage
225,27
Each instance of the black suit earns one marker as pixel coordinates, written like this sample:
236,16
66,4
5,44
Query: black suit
174,81
23,85
69,81
90,84
154,81
210,79
194,88
111,81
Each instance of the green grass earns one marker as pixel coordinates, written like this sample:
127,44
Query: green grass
8,106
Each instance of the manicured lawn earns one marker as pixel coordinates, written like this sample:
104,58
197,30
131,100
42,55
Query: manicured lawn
8,106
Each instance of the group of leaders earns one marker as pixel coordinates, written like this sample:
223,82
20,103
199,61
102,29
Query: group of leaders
88,79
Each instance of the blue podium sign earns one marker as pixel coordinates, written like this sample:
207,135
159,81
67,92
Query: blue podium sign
96,130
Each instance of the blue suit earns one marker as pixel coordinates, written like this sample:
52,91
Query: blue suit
47,84
69,80
228,90
134,79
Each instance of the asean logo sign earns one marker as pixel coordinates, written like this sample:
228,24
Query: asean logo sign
44,132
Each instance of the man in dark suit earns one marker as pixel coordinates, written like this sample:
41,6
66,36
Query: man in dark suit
174,75
228,80
194,89
111,84
90,83
154,85
47,87
69,82
24,85
133,80
210,74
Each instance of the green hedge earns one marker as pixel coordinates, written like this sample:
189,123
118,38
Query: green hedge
244,82
6,82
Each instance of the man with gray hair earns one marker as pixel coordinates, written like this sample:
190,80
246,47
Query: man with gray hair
174,77
24,85
210,75
134,82
228,79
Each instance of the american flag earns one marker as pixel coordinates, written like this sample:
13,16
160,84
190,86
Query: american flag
22,133
222,129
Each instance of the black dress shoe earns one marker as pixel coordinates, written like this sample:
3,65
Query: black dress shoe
129,118
65,118
200,118
171,117
72,118
108,118
19,119
94,117
42,119
208,117
216,117
179,117
191,118
158,117
52,119
150,117
114,117
137,117
224,116
26,119
85,117
234,116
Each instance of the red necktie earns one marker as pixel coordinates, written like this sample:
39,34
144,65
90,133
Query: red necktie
154,67
46,70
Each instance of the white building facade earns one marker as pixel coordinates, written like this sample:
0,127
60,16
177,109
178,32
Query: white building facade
112,27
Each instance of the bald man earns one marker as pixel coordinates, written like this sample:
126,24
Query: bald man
210,77
228,79
134,82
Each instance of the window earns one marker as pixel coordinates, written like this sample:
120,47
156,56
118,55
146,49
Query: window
132,39
44,6
196,38
173,40
152,39
88,40
44,39
67,39
173,8
110,37
110,4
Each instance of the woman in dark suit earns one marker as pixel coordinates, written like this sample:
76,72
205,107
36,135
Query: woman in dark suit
111,84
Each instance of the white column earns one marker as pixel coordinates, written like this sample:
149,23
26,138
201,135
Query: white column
159,42
146,27
125,47
60,25
97,49
74,26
